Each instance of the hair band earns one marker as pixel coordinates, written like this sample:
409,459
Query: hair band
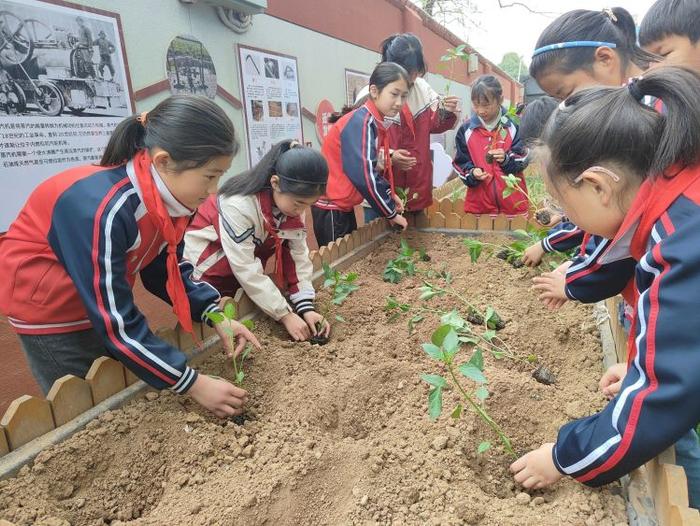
573,44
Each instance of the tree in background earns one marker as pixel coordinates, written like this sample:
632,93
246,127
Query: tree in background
513,64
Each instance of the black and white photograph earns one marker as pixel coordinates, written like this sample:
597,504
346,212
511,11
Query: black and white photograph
272,68
56,60
190,68
64,87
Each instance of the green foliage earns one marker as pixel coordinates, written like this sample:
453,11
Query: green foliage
450,58
444,346
404,195
513,64
404,264
229,314
341,285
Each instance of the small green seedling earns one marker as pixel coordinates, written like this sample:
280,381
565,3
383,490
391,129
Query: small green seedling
404,264
443,347
395,309
405,196
341,286
451,57
229,313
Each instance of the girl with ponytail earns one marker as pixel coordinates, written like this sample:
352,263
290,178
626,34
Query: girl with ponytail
76,247
258,214
627,173
584,48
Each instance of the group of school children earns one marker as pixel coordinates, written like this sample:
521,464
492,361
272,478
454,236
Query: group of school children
618,145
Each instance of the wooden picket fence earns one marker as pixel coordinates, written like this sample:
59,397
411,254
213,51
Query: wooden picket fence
29,418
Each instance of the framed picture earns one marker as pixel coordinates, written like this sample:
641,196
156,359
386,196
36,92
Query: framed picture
271,101
64,86
354,82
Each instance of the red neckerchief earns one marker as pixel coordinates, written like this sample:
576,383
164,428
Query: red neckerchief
172,229
269,223
383,140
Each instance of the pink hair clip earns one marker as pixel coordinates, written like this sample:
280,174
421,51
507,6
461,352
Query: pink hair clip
600,169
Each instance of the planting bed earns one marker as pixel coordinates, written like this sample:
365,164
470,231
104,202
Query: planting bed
339,434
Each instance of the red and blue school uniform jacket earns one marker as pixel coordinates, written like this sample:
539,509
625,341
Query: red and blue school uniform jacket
72,256
230,240
351,149
563,237
410,130
658,399
472,142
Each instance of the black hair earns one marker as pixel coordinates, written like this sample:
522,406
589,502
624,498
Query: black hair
613,127
192,129
671,17
616,26
387,72
486,89
535,116
406,50
302,171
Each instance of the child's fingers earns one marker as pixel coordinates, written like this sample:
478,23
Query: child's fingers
519,464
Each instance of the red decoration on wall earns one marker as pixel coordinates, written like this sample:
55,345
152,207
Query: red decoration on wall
323,111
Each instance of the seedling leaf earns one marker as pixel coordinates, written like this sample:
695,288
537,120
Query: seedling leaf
435,403
457,411
483,447
473,373
433,351
434,379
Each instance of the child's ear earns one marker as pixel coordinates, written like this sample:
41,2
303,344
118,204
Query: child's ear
275,182
601,185
161,160
373,91
606,66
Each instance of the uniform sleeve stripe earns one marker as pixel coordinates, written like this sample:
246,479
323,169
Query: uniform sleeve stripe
647,332
112,314
370,181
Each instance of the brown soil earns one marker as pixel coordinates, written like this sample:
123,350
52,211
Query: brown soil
339,434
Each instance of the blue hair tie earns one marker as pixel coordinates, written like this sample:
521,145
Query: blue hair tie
574,43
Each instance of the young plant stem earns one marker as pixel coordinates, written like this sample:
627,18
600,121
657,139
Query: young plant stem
481,412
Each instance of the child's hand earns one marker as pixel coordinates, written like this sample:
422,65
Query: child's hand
451,104
312,318
536,469
218,396
479,174
551,286
403,160
399,204
296,327
533,255
612,379
399,220
499,154
241,333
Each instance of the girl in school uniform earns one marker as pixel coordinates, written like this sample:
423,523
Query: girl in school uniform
258,214
358,155
84,235
625,172
488,148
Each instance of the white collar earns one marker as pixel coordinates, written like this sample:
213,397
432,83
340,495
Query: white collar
175,208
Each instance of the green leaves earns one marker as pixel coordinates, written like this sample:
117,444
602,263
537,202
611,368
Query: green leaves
477,360
341,285
230,311
475,248
435,380
248,324
428,292
481,393
440,333
216,317
433,351
457,411
473,373
435,403
483,447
